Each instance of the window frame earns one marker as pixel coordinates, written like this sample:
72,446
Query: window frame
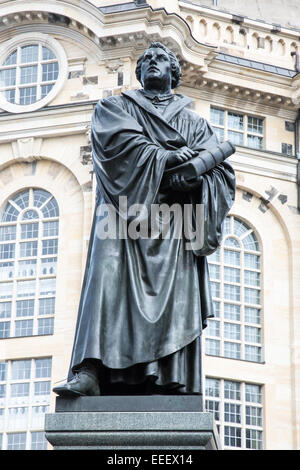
37,270
27,39
232,314
216,403
245,132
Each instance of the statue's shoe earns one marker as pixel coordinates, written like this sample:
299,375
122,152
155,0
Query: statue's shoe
82,384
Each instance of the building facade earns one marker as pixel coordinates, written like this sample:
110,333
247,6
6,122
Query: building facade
57,59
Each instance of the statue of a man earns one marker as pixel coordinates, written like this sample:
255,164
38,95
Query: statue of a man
145,300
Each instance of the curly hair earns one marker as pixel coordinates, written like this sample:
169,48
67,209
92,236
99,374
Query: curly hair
175,66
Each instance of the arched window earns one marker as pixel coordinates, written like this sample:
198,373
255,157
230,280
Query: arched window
235,274
28,259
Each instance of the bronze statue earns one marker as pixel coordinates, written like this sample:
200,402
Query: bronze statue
145,300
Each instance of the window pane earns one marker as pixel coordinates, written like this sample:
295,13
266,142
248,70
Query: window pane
232,413
232,292
48,266
252,334
47,286
29,53
24,328
11,59
230,241
252,278
47,306
232,312
213,407
252,315
252,261
10,213
40,196
235,121
50,209
217,116
3,370
253,393
232,436
49,72
236,138
50,247
4,329
254,141
212,387
215,289
231,274
47,54
6,290
252,296
42,388
8,232
7,250
46,326
28,74
253,439
215,257
240,227
232,390
216,308
212,347
28,95
25,288
21,369
45,89
252,353
29,230
5,310
27,268
50,229
232,350
253,416
213,328
232,257
16,441
30,215
232,331
28,249
19,390
8,77
10,95
6,270
38,441
43,367
25,308
250,242
255,124
214,271
220,133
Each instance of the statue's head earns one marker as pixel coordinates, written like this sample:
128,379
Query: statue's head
156,63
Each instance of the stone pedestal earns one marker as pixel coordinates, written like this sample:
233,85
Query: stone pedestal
131,423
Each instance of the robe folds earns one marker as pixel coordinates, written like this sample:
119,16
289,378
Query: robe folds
145,301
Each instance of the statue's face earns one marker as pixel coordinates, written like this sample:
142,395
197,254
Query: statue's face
155,67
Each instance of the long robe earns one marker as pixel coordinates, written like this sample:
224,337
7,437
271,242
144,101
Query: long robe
144,302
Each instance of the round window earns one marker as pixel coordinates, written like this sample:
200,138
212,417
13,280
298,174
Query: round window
31,73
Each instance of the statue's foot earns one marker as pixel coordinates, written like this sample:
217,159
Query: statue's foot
82,384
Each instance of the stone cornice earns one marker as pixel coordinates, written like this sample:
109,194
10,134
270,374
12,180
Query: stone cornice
61,121
263,163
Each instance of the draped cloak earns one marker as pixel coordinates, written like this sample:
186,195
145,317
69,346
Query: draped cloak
146,300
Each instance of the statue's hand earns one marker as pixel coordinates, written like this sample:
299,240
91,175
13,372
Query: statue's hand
176,157
178,183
